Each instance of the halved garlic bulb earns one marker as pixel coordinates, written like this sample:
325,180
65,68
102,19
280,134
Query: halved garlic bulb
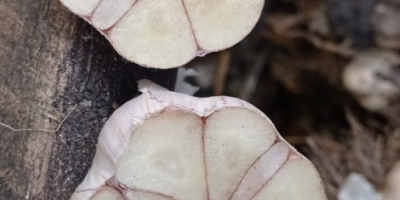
169,33
169,146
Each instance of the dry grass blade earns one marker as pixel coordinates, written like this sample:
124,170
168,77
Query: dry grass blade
42,130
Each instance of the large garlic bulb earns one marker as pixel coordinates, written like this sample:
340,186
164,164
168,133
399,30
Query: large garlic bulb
169,33
169,146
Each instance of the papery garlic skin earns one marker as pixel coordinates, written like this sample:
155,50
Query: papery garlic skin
116,134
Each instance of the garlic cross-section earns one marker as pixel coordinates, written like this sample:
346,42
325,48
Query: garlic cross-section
169,146
169,33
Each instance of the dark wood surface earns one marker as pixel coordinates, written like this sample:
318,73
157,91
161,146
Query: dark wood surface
51,61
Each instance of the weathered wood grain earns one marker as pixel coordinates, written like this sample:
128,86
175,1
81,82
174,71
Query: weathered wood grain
50,60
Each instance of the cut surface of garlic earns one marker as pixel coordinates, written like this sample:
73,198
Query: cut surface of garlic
169,146
169,33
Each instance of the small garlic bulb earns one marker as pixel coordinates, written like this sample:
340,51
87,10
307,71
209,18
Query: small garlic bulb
166,146
372,78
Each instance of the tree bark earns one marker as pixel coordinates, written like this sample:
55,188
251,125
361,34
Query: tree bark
51,61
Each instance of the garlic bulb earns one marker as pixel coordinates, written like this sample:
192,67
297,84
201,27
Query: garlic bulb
372,77
164,145
169,33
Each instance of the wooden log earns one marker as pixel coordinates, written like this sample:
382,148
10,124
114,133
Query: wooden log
51,61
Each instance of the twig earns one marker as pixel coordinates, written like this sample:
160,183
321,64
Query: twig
250,84
224,61
43,130
287,25
343,49
331,168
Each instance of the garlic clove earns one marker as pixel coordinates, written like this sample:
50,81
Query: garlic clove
296,180
152,35
109,12
108,193
80,7
165,155
262,171
221,24
231,145
140,195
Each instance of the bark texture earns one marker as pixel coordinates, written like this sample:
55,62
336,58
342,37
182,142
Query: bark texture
50,61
